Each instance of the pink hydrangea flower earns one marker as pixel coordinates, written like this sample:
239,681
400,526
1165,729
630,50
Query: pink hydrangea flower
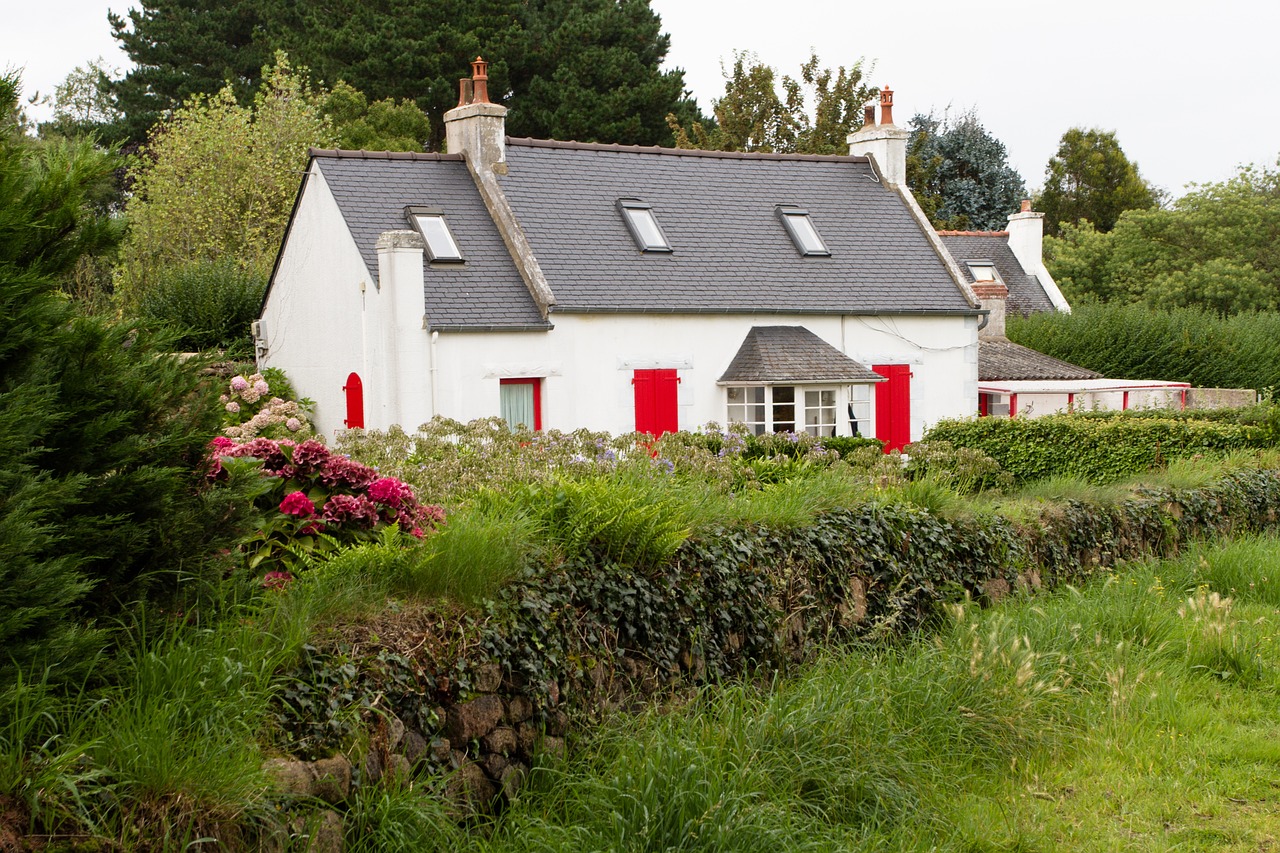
297,503
221,444
276,580
339,471
261,387
343,509
310,455
390,491
239,383
233,407
293,424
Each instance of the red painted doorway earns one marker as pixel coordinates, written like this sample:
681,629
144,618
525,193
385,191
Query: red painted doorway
893,405
656,410
355,402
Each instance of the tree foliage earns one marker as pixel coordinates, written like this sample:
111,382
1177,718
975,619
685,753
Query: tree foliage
218,180
761,112
1090,178
182,48
583,69
82,102
960,173
100,433
1218,247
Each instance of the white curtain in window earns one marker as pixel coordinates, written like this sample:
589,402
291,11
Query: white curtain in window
517,405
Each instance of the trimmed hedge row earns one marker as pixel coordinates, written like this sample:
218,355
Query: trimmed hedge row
1098,449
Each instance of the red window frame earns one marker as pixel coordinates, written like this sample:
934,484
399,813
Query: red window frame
537,397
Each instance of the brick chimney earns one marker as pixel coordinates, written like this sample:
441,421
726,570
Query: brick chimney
476,127
992,296
884,141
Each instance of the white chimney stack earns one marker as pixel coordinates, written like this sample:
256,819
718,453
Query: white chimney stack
476,127
1026,241
885,142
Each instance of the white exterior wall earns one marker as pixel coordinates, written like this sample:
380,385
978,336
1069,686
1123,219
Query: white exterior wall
588,359
326,318
313,322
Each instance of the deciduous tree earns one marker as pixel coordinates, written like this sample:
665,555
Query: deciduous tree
1091,178
760,111
218,180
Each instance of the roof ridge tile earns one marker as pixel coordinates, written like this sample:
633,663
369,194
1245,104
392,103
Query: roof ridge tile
529,142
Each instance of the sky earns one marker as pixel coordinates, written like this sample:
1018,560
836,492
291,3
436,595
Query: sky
1190,88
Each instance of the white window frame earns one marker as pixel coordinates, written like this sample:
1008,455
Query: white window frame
442,246
743,403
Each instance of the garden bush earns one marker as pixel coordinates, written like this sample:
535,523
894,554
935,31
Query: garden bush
1098,449
209,304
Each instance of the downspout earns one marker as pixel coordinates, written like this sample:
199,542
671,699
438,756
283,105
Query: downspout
435,338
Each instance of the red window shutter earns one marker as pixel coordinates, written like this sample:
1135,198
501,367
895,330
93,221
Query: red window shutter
656,401
355,402
893,405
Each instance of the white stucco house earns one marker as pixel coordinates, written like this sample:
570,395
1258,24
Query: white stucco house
566,285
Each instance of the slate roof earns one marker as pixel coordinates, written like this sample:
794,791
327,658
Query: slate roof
1001,359
772,354
1026,294
372,190
730,254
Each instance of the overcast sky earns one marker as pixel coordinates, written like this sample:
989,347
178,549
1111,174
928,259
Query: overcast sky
1189,87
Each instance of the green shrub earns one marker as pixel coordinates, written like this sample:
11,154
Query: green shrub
209,303
1100,450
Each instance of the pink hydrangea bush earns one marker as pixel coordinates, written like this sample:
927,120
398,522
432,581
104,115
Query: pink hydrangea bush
250,410
314,500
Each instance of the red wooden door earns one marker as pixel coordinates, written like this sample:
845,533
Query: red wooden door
893,406
656,411
355,402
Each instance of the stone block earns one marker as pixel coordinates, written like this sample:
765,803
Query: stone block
474,719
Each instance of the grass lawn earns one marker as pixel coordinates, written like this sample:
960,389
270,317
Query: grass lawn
1139,713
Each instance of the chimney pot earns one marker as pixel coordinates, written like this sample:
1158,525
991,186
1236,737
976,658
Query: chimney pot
464,91
1026,205
480,81
886,105
869,115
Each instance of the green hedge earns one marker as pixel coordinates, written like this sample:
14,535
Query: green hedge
1176,345
1098,449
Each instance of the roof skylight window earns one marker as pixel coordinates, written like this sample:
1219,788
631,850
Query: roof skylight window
983,271
802,231
431,224
643,225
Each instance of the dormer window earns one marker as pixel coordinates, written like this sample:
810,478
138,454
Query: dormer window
803,233
983,271
431,224
643,225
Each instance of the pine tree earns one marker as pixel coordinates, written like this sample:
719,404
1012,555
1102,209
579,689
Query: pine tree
960,173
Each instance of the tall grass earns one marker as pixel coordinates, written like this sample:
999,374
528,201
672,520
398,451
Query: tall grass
934,744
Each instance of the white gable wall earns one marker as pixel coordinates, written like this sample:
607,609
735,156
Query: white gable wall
314,321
